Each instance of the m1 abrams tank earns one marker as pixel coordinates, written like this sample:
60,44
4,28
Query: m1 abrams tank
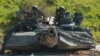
29,37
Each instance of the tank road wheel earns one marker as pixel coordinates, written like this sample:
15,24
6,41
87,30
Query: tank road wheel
8,52
83,53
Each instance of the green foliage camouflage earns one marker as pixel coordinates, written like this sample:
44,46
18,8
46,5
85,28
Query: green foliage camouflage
90,9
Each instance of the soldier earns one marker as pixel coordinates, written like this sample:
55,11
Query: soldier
37,13
62,17
60,11
78,18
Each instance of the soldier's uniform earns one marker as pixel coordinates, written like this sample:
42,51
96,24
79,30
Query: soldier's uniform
62,17
78,17
37,14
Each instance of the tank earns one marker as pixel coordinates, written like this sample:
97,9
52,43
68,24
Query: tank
31,37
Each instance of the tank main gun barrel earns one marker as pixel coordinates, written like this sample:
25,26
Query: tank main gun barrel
49,37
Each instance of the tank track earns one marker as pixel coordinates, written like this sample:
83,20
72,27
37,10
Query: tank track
58,53
53,53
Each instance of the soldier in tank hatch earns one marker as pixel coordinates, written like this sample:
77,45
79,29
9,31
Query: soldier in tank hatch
59,12
62,17
37,13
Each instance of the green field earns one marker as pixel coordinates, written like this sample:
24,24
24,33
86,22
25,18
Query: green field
90,9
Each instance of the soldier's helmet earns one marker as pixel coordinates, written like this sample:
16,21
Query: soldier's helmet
35,7
62,9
